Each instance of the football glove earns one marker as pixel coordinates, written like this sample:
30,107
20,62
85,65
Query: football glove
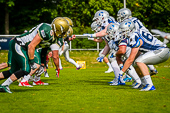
33,65
40,71
120,78
100,59
57,72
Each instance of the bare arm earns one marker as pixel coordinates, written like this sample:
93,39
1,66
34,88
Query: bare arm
133,54
32,45
98,40
102,33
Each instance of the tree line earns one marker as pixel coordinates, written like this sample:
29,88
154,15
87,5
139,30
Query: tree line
19,15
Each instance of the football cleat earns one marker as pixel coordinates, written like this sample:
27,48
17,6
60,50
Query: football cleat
114,81
137,85
127,79
120,80
78,68
5,89
25,84
46,74
153,72
148,87
39,83
109,70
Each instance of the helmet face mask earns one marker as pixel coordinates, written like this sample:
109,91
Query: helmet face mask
100,16
113,31
123,14
95,27
69,33
126,29
60,26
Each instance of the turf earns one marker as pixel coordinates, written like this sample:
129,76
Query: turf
87,91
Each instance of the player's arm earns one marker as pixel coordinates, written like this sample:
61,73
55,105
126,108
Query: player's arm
119,53
98,40
131,58
32,45
98,34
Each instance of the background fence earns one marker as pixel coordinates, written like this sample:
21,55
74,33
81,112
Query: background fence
4,40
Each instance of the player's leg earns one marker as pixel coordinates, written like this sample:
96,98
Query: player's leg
37,60
151,58
19,66
105,59
68,59
60,64
115,69
152,69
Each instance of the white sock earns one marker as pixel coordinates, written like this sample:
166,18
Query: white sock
143,81
36,78
148,79
115,68
60,66
26,78
110,67
133,74
7,82
73,62
151,67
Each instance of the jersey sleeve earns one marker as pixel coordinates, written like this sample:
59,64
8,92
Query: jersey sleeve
134,41
45,32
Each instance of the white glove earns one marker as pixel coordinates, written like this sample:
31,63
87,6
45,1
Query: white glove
90,38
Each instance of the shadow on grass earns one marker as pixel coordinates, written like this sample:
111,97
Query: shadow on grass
28,90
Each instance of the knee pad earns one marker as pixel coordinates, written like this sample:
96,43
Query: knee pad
20,73
6,74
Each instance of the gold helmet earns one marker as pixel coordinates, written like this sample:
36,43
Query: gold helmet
69,33
69,21
60,26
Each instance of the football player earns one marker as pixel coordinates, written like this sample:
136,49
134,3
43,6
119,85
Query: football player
124,14
23,47
153,51
64,49
97,28
164,35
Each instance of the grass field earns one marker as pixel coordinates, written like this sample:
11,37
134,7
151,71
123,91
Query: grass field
87,91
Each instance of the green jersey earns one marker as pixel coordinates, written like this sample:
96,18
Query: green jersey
45,32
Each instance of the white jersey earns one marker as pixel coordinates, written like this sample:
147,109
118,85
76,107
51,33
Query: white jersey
150,43
138,24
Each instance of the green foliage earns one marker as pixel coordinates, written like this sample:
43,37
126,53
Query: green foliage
26,14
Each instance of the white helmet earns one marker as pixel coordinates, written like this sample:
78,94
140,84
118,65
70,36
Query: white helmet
126,28
95,27
111,19
113,31
123,14
100,16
